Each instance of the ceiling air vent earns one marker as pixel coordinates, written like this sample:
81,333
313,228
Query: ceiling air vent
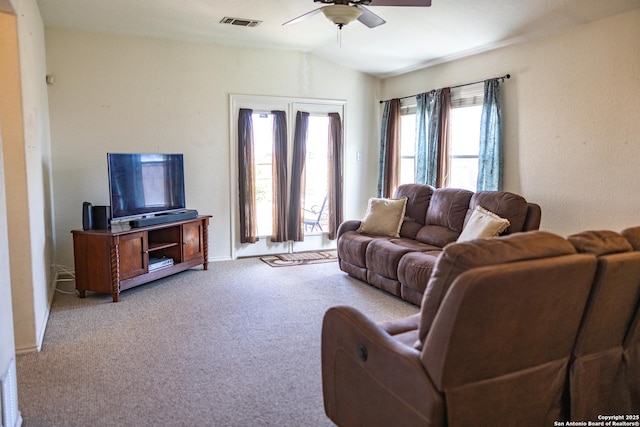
241,22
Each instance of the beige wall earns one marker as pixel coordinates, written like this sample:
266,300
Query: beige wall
131,94
26,146
9,113
7,341
571,120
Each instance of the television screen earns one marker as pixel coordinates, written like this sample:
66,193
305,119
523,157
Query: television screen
143,184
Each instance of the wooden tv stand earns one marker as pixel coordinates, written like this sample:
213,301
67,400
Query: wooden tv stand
111,261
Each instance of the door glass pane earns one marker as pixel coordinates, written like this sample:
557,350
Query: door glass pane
316,168
263,150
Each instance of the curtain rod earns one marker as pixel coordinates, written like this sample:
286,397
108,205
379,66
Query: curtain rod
506,76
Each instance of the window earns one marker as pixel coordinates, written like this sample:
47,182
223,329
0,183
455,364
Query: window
465,115
465,144
408,146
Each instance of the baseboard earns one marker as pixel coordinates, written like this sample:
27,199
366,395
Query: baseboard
26,350
45,322
217,259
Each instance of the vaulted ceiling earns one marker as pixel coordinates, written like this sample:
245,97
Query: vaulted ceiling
413,37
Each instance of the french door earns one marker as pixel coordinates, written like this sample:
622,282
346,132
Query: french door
316,171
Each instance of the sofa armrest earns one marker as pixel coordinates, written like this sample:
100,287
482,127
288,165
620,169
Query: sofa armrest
369,378
348,225
534,215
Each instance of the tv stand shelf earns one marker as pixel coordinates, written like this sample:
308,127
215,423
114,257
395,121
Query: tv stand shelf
111,261
158,246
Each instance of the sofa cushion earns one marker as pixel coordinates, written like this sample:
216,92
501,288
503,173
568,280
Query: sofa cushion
599,243
383,217
418,198
414,271
445,216
482,224
460,257
509,206
383,256
352,247
414,245
448,208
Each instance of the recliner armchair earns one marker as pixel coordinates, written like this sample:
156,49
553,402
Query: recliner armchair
598,382
631,346
495,352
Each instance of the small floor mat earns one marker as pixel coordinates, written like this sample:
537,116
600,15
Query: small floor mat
300,258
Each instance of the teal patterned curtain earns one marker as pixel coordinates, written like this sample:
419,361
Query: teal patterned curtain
490,154
433,114
432,133
422,114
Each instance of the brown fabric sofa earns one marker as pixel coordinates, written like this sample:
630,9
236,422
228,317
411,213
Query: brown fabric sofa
493,350
433,218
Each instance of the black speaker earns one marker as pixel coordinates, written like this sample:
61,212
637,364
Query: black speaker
87,216
101,217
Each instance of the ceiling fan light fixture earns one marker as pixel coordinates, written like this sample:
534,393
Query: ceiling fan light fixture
341,14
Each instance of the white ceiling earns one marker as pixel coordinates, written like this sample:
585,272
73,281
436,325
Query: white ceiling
413,37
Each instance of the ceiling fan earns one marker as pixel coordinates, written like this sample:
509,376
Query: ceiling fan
342,12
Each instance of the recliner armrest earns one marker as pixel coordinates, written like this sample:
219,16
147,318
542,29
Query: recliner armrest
349,225
369,378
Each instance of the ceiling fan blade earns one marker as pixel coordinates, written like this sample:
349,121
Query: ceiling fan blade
302,17
422,3
369,18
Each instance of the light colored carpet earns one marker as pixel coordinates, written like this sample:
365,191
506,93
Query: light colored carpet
237,345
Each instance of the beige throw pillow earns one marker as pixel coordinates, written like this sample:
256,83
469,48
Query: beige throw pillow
384,217
483,224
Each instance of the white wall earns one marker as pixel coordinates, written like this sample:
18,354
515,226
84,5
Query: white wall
571,120
131,94
26,147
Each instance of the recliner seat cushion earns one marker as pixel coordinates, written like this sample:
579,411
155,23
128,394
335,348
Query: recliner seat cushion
383,256
352,247
414,272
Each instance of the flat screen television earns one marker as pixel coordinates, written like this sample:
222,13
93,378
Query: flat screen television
145,184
